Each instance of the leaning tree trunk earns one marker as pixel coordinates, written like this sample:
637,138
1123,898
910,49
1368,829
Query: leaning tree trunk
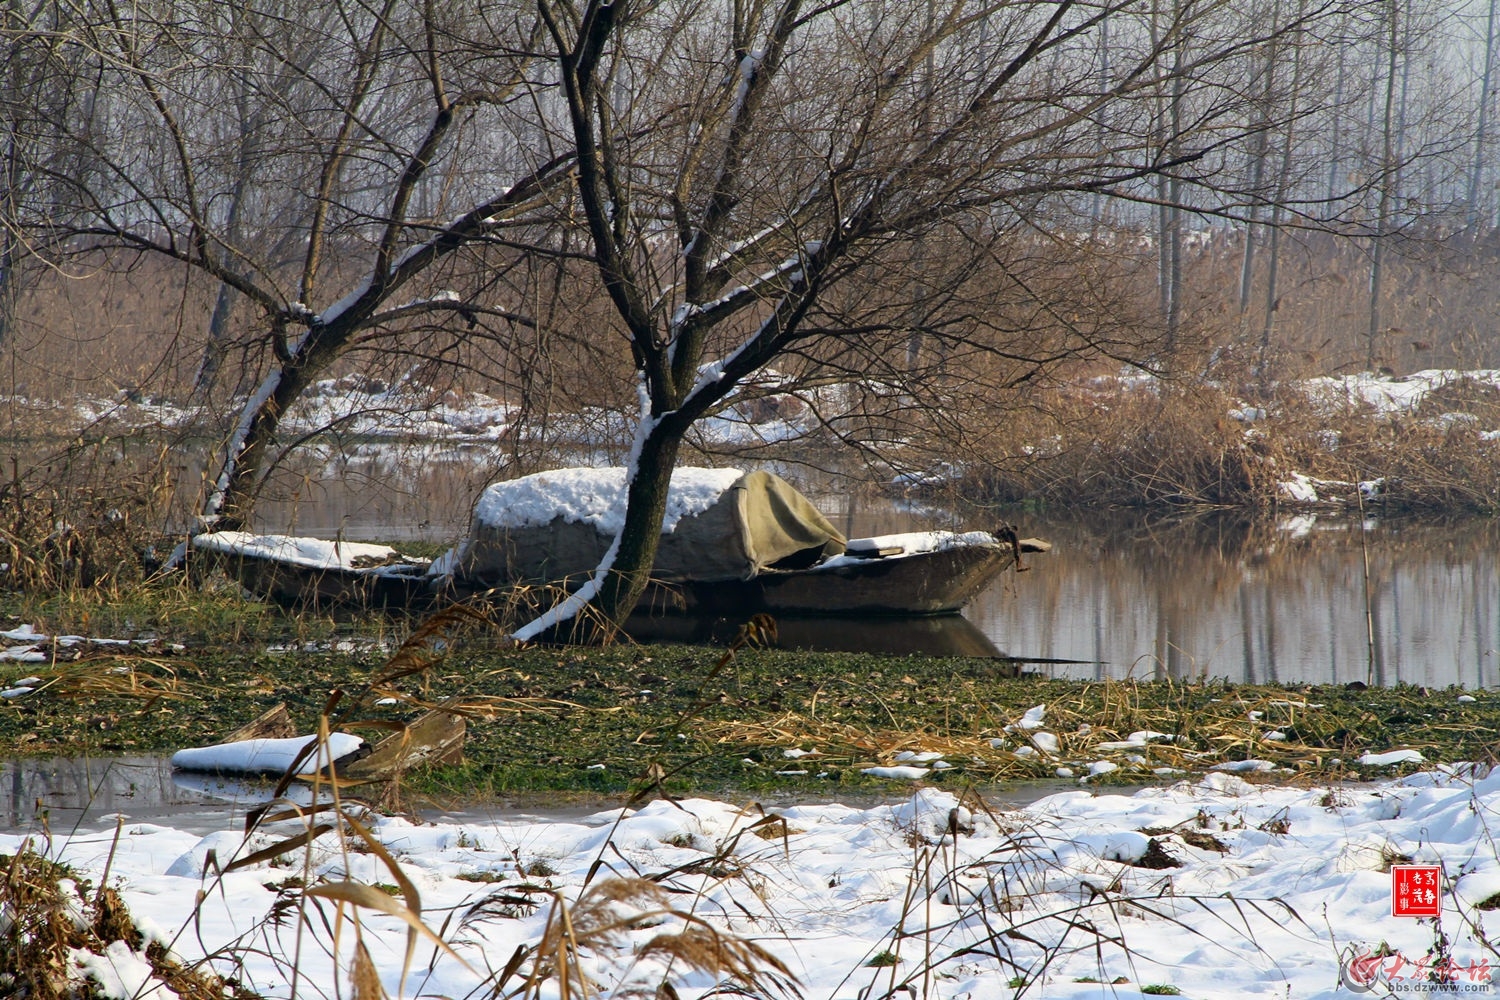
645,510
248,455
622,575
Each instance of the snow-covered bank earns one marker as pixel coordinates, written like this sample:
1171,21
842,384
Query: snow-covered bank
1218,888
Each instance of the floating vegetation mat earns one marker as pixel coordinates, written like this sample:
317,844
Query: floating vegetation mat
692,719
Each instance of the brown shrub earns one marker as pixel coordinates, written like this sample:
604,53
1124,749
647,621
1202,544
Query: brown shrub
1128,447
87,519
50,916
1116,443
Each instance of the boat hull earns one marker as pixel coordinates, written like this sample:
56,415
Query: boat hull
928,583
918,584
295,586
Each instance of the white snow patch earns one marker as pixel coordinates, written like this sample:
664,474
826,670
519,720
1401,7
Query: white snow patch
121,974
904,773
1046,742
1391,757
850,884
1033,719
265,756
1299,489
594,496
1244,766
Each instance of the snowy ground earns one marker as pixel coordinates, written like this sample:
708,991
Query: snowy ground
407,423
373,410
1261,891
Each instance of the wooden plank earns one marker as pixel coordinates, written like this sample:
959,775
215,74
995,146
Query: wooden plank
436,737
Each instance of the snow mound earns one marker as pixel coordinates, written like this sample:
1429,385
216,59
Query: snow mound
312,553
593,496
265,756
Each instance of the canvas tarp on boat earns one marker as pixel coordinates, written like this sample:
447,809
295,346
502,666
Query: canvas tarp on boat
720,526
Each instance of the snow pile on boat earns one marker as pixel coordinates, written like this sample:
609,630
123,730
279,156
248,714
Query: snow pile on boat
308,553
907,543
720,524
595,497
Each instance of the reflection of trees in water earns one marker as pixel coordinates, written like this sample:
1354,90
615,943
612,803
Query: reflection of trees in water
1183,595
1261,601
60,787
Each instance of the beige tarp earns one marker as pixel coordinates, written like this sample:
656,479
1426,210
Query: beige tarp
758,522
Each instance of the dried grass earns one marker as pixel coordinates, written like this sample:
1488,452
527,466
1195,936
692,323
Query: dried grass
85,520
1176,444
607,914
114,675
1229,729
48,915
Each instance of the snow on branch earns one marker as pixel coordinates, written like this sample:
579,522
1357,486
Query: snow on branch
569,608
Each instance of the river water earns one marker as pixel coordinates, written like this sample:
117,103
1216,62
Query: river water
1307,598
63,797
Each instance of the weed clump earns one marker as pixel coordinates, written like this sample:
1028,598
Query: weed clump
1197,442
60,940
87,521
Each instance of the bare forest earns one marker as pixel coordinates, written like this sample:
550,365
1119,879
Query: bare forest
942,242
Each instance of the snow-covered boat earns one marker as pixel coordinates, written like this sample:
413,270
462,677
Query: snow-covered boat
314,572
732,543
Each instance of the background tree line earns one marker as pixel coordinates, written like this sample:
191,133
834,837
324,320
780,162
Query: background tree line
904,216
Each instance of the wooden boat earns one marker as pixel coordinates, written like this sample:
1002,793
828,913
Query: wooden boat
317,573
735,545
918,573
926,581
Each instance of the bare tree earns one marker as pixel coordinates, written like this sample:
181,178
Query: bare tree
1389,175
1472,207
1278,200
328,166
1259,154
776,162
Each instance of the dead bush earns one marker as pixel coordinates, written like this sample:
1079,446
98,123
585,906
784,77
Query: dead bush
49,916
1122,444
86,520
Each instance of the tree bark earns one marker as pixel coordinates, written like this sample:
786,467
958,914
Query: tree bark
1283,183
1476,173
246,461
1260,151
645,508
1387,190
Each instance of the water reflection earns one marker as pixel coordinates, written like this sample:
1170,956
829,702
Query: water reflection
1260,602
61,793
943,635
379,491
1128,595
